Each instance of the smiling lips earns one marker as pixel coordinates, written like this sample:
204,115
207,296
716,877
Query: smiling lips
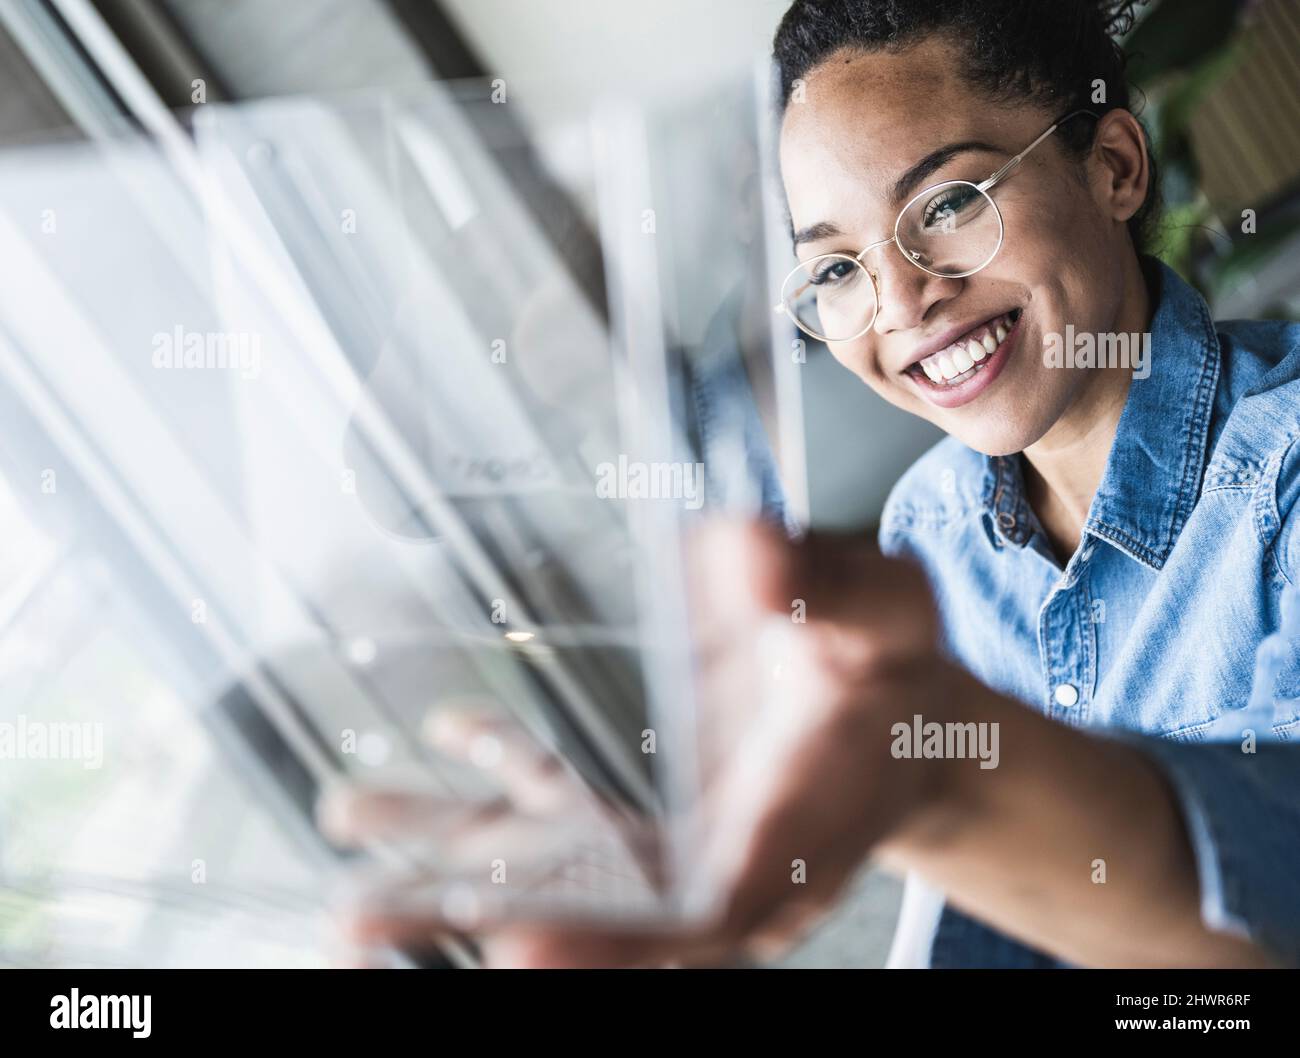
965,357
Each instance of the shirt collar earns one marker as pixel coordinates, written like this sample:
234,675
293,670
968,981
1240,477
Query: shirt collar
1153,473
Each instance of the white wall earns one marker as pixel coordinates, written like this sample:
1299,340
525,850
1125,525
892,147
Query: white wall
575,51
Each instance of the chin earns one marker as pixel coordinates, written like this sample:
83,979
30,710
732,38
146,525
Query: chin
1002,441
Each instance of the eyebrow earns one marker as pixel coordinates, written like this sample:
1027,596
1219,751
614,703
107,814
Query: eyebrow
936,160
904,185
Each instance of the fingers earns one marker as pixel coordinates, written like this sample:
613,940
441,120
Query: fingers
434,837
785,820
793,862
541,802
513,933
541,949
521,937
798,810
581,946
463,864
730,567
353,816
845,579
755,567
505,944
521,925
535,778
751,569
785,927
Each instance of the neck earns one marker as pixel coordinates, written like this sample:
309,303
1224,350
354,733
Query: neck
1063,469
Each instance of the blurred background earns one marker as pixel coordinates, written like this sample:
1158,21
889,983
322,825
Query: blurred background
1221,87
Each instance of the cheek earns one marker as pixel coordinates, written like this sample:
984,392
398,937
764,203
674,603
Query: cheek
1053,223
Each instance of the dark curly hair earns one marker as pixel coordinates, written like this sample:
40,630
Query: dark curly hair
1047,52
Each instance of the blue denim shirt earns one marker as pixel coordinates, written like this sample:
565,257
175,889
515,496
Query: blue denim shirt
1150,631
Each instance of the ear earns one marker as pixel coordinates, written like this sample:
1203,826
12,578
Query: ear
1123,173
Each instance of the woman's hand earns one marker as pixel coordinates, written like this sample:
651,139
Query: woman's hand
802,786
806,777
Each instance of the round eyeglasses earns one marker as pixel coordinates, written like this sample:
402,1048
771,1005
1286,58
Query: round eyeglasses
951,229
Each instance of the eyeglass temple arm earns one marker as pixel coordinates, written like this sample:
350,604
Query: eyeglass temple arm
1013,162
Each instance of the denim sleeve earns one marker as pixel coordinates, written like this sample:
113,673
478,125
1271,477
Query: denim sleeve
1242,812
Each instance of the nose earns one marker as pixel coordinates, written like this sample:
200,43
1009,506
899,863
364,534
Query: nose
908,294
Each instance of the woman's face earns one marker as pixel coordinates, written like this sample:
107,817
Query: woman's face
865,121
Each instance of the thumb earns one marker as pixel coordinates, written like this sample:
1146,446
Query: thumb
842,579
829,579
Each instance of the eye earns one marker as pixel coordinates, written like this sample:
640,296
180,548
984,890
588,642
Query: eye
831,272
952,206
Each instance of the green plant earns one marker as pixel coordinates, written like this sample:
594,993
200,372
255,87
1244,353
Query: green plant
1180,53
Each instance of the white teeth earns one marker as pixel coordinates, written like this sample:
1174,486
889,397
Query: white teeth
958,359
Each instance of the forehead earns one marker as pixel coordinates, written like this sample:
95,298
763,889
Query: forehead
865,118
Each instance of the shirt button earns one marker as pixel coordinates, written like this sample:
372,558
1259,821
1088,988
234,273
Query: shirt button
1066,694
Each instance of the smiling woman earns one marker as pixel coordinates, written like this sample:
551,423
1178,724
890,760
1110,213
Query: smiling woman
942,260
880,100
1083,569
